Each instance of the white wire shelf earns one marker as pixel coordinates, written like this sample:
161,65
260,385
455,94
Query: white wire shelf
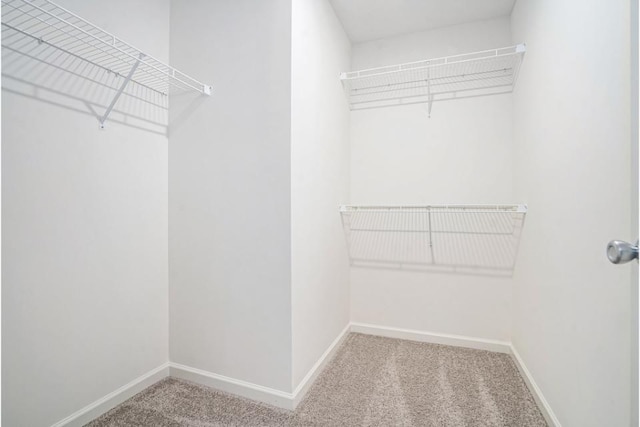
467,239
482,73
45,22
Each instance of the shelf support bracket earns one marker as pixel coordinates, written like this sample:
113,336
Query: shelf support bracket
120,90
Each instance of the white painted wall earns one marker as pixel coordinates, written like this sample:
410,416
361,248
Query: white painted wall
462,154
572,132
84,213
229,180
257,172
319,181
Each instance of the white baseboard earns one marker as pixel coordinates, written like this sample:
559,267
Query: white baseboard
432,337
543,405
280,399
113,399
241,388
301,390
290,401
469,342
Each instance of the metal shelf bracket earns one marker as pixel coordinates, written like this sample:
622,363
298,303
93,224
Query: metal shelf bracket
120,90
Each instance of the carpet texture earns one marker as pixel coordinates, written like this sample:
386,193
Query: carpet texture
371,381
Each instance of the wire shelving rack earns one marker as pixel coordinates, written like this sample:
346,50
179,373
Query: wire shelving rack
475,74
467,239
45,22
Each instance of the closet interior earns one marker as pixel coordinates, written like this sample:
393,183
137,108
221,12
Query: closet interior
259,190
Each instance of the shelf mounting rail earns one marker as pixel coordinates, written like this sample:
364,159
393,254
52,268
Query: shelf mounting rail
48,23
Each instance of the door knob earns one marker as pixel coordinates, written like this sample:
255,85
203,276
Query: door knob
620,252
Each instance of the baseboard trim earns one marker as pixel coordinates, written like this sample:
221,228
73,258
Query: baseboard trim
432,337
113,399
257,392
469,342
301,390
543,405
241,388
290,401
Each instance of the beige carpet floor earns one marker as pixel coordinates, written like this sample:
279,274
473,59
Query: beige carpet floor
372,381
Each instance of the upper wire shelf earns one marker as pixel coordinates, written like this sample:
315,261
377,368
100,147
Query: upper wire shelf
482,73
45,22
471,239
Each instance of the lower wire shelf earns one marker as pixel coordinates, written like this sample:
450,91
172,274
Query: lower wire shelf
462,239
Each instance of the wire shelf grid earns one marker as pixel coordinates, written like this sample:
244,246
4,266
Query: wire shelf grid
474,239
460,76
44,22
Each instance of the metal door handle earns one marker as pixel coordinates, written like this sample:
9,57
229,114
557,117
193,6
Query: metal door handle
620,252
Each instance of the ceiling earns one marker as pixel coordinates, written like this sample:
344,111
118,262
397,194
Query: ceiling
365,20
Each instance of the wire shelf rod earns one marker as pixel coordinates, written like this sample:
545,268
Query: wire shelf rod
71,54
400,101
488,72
457,207
424,94
100,45
73,38
437,93
55,28
417,264
423,81
430,63
450,238
109,66
95,38
409,230
114,39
